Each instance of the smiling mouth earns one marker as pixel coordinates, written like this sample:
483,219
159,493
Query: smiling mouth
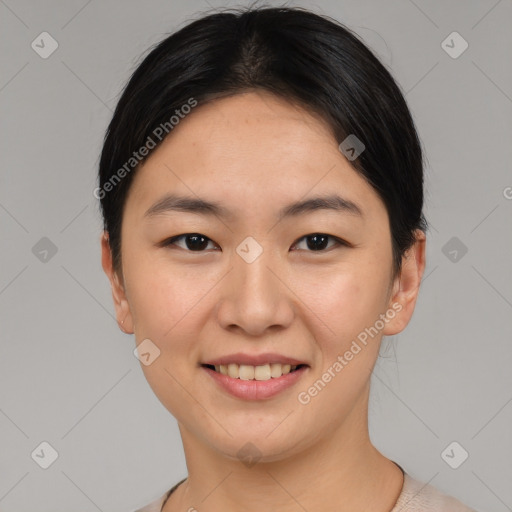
249,372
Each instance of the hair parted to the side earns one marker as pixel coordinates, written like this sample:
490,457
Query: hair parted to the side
305,58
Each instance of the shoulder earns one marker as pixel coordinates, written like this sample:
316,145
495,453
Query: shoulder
157,504
420,497
154,506
415,497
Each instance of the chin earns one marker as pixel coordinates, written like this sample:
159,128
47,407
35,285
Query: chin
262,445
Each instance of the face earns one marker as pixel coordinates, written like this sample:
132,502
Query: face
280,260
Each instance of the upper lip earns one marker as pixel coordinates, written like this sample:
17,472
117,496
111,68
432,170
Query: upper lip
253,360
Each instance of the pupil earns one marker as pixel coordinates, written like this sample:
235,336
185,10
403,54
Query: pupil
196,242
316,245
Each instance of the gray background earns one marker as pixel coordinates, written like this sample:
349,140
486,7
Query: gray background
68,375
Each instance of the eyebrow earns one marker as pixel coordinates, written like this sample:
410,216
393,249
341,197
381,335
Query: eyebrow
174,203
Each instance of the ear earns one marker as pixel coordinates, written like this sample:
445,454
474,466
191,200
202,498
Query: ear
123,313
406,286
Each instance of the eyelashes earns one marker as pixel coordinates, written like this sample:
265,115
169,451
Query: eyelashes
197,239
196,242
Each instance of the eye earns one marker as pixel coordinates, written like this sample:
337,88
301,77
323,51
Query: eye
318,241
196,242
193,241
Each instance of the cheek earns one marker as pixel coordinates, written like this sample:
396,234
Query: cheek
163,299
346,300
167,307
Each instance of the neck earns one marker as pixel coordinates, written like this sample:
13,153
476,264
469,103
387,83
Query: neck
341,472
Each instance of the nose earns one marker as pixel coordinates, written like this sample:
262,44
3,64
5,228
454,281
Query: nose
255,297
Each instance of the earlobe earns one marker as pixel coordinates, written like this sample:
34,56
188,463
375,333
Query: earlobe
121,305
407,285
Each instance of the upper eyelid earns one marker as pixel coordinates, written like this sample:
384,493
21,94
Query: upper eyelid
173,239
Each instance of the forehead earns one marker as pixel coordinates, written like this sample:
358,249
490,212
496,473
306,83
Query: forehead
250,129
250,150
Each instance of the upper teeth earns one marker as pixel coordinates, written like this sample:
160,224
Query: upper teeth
248,372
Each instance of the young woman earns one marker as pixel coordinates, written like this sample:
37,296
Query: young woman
261,183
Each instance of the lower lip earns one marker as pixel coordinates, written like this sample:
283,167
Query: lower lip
255,389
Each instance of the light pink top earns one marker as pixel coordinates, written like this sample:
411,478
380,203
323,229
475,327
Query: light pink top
415,497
